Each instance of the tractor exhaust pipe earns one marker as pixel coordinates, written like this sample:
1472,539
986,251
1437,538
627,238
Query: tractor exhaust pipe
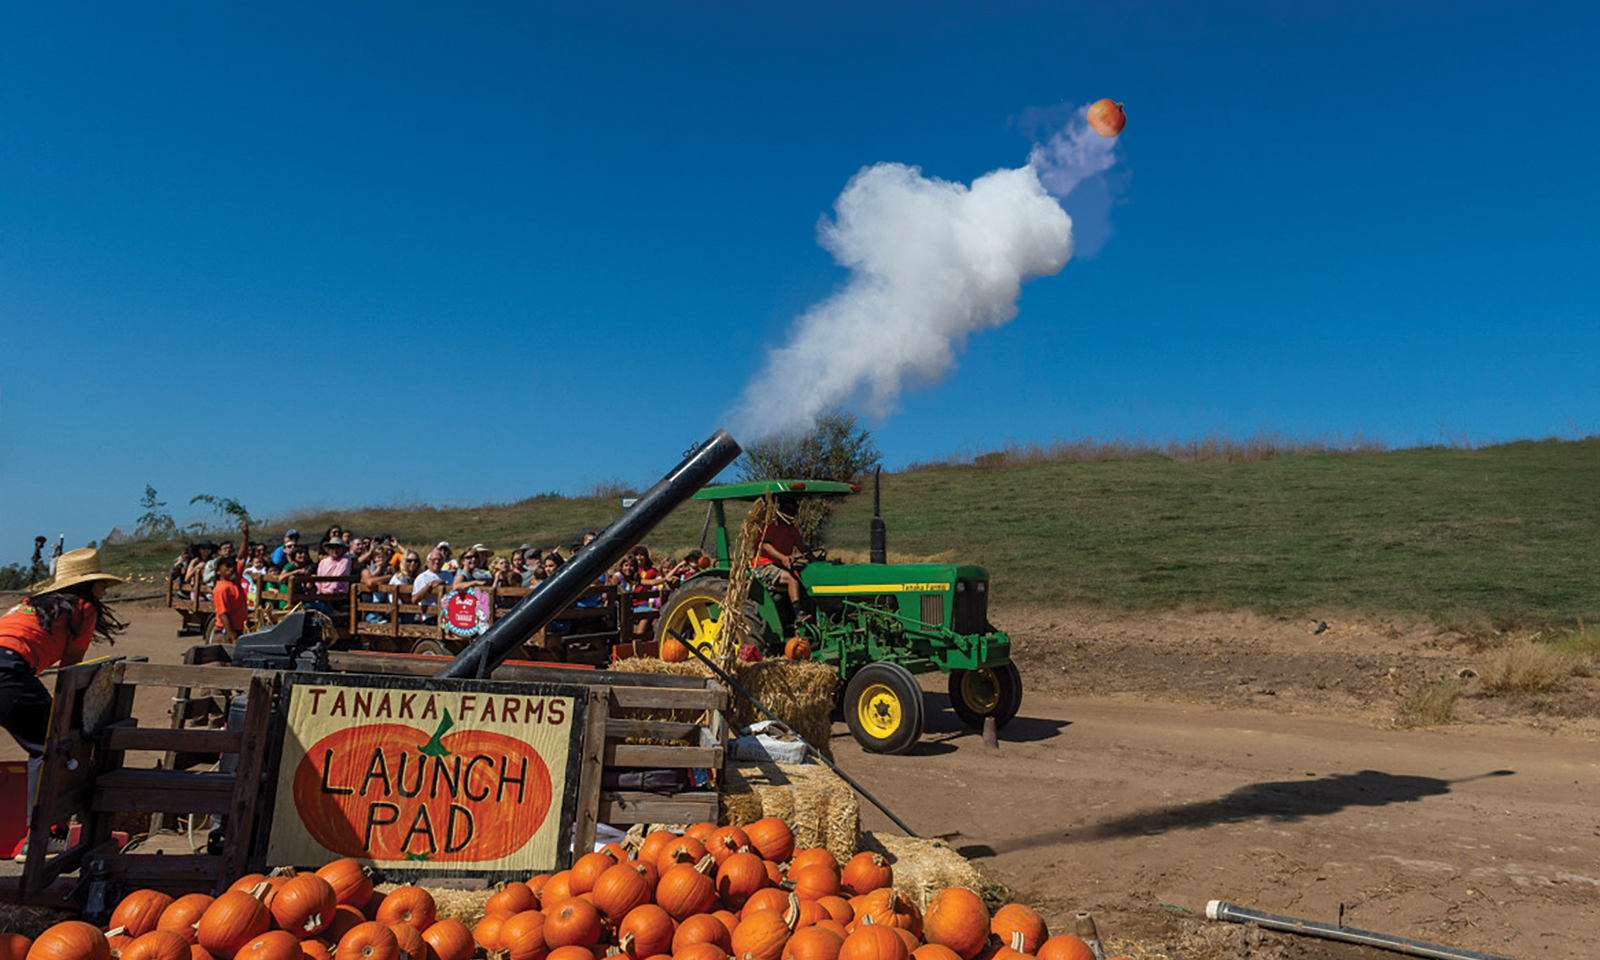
879,537
578,575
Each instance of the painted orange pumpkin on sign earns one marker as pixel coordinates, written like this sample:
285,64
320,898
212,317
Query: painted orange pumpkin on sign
393,792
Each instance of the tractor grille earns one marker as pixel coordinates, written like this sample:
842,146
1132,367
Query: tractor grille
971,615
933,609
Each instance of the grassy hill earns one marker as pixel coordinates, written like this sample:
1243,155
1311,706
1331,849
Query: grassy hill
1498,535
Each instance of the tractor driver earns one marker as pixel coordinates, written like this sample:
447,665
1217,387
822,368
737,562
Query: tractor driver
774,564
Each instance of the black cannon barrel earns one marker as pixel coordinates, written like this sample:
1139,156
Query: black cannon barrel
577,576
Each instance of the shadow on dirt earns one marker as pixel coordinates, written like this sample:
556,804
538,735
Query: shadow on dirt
943,725
1283,800
1287,800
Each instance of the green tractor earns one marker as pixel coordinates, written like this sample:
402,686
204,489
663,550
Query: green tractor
878,623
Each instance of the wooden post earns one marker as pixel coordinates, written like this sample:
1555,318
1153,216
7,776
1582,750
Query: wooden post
594,747
247,784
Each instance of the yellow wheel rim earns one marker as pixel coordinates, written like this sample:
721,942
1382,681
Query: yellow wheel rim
698,623
879,711
980,691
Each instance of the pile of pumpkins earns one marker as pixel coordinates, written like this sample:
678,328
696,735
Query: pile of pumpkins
711,893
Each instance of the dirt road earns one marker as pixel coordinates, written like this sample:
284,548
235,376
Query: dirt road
1254,768
1481,837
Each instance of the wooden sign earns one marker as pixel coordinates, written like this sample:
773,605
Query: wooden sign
427,778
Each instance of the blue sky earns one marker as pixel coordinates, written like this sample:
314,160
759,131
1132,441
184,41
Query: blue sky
308,254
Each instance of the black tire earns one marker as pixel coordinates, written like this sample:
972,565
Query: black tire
435,648
976,694
883,708
693,615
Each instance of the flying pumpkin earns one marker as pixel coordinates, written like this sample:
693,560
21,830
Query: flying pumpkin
1107,118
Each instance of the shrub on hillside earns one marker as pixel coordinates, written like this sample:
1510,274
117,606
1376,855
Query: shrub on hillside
834,449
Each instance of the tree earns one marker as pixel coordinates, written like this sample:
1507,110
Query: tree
155,523
835,448
228,509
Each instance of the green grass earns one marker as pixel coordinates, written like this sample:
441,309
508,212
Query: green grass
1502,535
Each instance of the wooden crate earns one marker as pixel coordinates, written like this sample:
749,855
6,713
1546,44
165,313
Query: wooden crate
84,776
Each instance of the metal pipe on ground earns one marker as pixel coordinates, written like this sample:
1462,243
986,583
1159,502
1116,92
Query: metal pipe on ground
1222,910
577,576
858,788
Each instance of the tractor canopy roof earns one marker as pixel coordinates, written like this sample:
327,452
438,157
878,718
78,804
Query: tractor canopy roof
756,489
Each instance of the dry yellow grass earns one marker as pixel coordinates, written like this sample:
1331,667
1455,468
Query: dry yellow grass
1525,668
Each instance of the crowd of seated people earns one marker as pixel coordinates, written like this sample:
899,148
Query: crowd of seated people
376,569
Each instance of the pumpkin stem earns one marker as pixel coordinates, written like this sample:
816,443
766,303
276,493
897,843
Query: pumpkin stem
791,916
624,945
116,932
260,891
282,872
707,865
1018,940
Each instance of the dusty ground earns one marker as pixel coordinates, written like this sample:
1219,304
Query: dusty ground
1160,761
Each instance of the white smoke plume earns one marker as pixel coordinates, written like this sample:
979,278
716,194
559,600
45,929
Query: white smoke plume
930,262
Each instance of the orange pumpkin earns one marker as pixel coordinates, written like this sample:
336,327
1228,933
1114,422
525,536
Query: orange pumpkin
574,923
182,914
934,951
487,932
345,919
889,909
673,650
233,920
1019,918
814,882
834,925
410,939
350,880
771,838
701,928
197,952
316,950
646,931
368,941
448,939
1064,947
646,869
71,940
156,945
813,856
838,908
522,936
798,648
587,869
701,831
763,934
446,825
304,905
413,906
724,842
536,884
1107,118
572,952
700,951
684,849
558,889
14,946
654,842
813,943
139,911
686,889
738,877
272,945
865,873
869,941
619,890
958,919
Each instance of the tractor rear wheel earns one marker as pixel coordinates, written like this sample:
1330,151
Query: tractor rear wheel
883,708
433,648
992,692
693,614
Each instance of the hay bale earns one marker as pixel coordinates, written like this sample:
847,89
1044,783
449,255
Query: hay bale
819,807
801,693
31,921
924,867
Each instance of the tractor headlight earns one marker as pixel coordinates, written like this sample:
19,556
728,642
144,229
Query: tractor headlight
961,586
983,586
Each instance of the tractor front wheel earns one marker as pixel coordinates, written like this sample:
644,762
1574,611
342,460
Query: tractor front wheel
883,708
992,692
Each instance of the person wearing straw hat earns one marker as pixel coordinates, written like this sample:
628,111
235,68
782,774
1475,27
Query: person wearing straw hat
52,626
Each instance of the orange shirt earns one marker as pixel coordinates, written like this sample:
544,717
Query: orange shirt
229,599
20,631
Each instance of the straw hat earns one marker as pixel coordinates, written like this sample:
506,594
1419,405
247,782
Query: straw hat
78,566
